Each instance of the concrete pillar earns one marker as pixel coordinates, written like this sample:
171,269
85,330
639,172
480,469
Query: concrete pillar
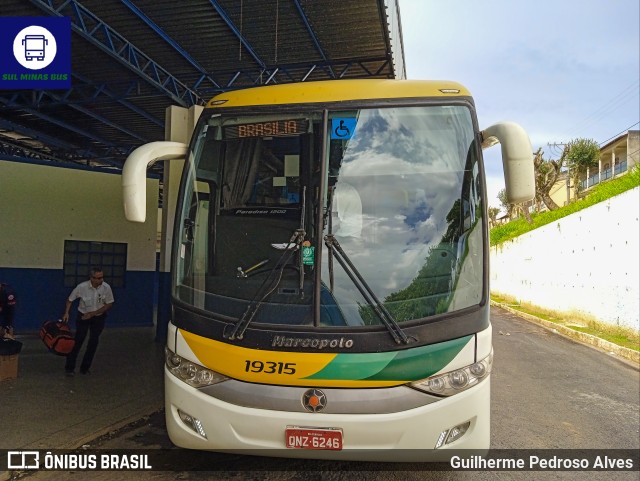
599,169
588,174
179,125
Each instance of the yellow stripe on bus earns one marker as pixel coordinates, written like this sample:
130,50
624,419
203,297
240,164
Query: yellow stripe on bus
269,367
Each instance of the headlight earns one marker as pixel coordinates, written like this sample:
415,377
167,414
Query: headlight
193,374
456,381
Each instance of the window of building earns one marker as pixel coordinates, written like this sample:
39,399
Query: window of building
81,256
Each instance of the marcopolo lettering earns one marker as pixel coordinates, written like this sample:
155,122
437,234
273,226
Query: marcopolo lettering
312,343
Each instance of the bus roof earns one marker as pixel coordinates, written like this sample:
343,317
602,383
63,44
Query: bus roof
337,90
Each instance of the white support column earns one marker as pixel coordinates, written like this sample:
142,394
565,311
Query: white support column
179,125
176,131
588,174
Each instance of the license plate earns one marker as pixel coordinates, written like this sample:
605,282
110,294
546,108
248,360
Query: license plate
307,438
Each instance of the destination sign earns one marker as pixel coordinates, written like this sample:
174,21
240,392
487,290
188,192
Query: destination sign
273,128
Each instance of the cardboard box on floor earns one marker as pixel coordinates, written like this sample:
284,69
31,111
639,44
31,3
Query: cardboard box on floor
8,367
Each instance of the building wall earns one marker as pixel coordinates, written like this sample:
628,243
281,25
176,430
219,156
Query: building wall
558,192
633,148
587,262
624,149
41,206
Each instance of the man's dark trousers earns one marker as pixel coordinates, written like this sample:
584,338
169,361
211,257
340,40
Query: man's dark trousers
94,327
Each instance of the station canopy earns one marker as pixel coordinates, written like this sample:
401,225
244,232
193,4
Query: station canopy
131,59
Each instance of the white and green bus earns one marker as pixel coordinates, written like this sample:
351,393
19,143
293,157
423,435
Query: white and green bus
330,279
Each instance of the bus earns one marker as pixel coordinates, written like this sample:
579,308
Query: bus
330,270
34,47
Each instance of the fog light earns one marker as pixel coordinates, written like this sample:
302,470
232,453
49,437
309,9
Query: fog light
457,432
193,423
453,434
441,438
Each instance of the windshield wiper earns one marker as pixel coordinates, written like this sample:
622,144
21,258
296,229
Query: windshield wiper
335,250
266,288
301,240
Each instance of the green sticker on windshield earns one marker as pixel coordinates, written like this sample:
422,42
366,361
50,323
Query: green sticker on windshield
308,255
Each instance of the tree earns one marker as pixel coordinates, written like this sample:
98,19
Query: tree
580,155
513,209
493,215
546,173
508,207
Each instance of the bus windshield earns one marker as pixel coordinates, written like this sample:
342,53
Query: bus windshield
399,193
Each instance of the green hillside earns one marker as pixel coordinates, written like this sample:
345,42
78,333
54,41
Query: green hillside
599,193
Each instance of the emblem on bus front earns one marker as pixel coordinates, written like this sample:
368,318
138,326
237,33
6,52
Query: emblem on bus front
314,400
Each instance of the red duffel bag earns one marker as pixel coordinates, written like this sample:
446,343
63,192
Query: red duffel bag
57,336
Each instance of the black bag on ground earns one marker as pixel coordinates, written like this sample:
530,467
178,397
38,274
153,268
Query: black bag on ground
9,347
57,336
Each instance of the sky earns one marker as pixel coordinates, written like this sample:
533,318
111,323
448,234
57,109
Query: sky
562,69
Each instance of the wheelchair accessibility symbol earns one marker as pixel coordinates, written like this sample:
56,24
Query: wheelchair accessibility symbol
343,128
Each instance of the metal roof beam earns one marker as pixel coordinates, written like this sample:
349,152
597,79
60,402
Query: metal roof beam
108,40
312,34
176,46
101,89
360,63
33,134
99,118
238,34
343,66
37,102
67,153
11,149
60,123
84,91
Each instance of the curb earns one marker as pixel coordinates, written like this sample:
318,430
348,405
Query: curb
624,353
147,411
78,443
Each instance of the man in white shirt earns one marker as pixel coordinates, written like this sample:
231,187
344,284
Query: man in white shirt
96,298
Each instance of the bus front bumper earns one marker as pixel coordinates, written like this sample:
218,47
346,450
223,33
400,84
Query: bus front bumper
409,435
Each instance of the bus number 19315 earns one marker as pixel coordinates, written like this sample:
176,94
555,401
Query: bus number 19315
270,367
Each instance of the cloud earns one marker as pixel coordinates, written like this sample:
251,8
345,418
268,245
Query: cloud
547,65
561,69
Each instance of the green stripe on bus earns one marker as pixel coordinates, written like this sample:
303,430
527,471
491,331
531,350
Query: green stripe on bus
422,362
407,365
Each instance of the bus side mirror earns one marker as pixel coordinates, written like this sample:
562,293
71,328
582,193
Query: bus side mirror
517,159
134,175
